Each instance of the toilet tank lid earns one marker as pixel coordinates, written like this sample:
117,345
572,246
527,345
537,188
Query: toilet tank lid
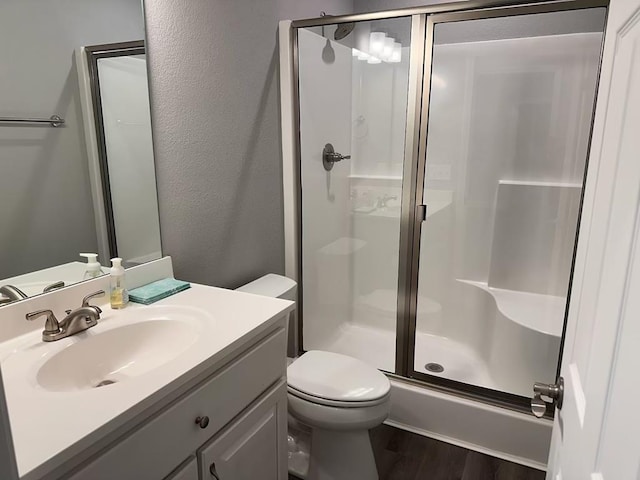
271,285
333,376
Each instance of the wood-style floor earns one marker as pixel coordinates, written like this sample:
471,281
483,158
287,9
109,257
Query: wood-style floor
402,455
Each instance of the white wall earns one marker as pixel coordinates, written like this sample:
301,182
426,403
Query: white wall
327,248
349,243
46,211
508,137
379,116
379,113
127,124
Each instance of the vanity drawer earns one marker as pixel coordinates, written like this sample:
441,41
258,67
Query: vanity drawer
186,471
165,440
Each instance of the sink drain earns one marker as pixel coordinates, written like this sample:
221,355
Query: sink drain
434,367
104,383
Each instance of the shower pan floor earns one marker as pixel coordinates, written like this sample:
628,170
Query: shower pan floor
458,360
377,347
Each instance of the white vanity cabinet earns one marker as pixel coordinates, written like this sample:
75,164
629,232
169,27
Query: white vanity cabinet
187,471
249,448
230,426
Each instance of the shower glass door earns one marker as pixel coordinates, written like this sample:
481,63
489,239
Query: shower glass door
509,113
353,81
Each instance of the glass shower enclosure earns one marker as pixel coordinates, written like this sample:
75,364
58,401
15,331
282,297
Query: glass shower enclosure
442,155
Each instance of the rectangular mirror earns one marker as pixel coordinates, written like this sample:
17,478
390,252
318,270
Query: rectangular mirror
82,182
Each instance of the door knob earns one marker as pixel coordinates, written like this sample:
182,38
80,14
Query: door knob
553,391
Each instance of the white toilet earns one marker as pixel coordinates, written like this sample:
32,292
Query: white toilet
338,397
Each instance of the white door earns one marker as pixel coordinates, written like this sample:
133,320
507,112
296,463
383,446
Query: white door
595,434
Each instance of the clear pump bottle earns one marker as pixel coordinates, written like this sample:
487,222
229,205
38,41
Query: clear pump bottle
119,294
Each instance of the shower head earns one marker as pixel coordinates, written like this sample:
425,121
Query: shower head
343,30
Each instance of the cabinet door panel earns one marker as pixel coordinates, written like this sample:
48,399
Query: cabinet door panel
254,446
188,471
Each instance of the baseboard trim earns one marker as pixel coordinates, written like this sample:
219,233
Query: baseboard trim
469,446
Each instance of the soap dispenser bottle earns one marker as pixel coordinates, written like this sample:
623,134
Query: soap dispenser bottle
119,294
94,269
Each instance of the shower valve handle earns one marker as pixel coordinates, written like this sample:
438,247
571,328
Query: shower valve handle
330,156
336,157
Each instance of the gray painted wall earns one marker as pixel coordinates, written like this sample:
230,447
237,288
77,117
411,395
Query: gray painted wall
47,215
360,6
215,113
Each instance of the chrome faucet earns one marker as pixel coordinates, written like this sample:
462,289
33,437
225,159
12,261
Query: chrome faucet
382,201
76,321
9,294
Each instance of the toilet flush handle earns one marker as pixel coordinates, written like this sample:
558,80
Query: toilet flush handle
213,472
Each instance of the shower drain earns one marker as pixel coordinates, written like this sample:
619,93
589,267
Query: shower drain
104,383
434,367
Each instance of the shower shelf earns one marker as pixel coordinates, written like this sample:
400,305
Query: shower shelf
375,177
535,311
531,183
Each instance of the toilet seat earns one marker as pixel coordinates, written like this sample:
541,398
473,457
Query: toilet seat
336,380
327,417
336,403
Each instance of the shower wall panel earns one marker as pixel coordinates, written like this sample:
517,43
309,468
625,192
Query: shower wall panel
354,99
325,117
509,122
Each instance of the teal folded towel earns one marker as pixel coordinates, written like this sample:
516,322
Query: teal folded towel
152,292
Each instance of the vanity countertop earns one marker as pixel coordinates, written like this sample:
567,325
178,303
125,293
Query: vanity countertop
50,427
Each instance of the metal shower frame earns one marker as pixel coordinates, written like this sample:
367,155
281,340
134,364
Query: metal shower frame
93,54
423,22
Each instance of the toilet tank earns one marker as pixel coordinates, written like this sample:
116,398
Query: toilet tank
272,285
278,286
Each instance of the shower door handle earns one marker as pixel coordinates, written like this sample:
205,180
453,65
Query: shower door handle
554,391
421,213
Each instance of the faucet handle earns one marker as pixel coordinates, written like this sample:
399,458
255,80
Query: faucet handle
85,300
53,286
51,325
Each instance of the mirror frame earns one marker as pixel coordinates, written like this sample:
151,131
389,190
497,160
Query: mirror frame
93,54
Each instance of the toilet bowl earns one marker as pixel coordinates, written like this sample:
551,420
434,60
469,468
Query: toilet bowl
339,398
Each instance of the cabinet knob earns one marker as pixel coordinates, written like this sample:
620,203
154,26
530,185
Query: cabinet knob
214,473
203,422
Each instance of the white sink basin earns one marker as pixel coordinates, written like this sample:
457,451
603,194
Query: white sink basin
120,354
